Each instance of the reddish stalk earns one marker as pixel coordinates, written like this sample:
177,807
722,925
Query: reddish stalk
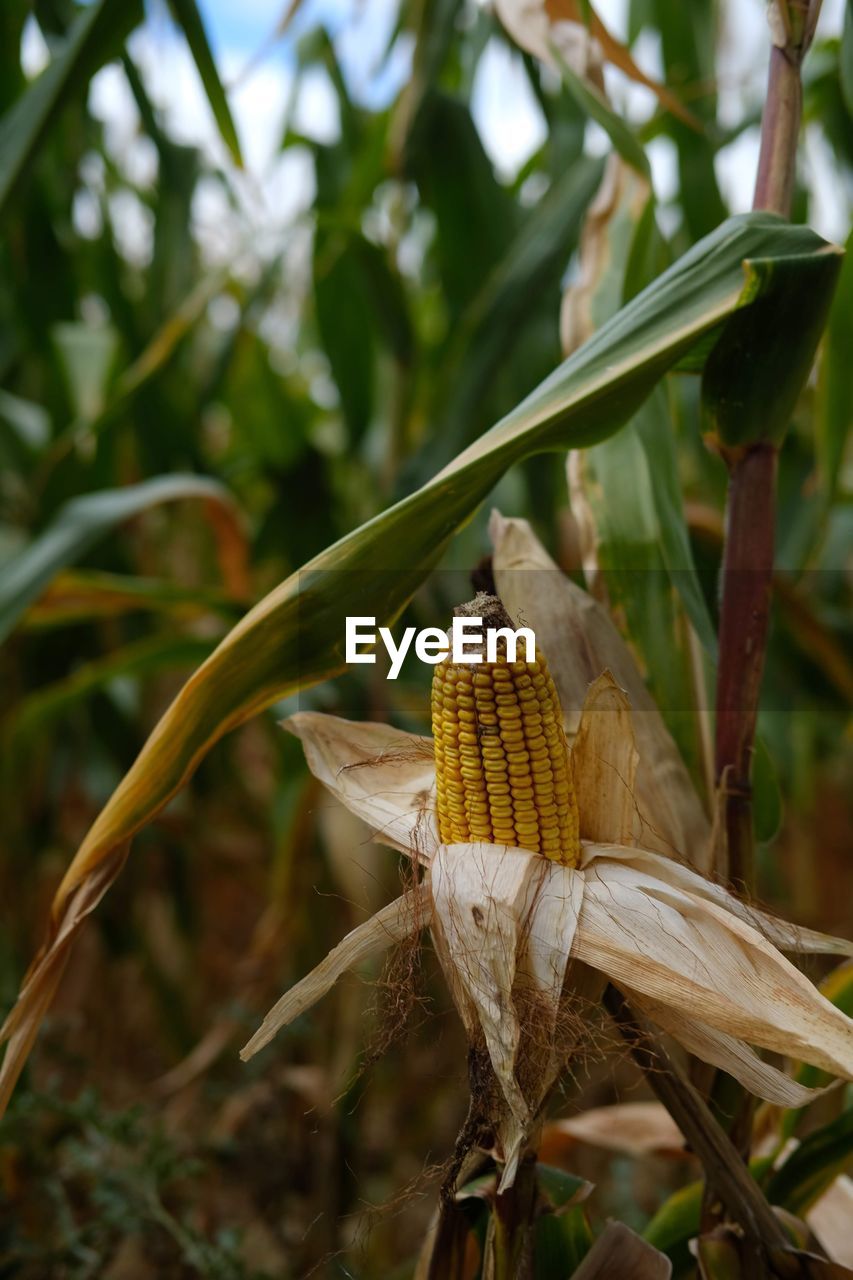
750,522
744,621
748,556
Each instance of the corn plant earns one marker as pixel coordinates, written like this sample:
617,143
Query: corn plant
581,840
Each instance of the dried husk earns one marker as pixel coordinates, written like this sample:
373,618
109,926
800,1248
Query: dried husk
701,961
580,641
632,1128
604,766
383,775
395,922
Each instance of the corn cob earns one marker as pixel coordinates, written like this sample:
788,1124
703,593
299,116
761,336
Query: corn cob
502,766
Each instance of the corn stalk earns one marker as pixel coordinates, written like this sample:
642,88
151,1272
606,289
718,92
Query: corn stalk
750,527
749,543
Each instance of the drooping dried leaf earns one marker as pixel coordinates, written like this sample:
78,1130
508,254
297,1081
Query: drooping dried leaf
392,924
580,642
635,1128
543,957
728,1053
533,29
549,929
45,972
703,962
622,195
782,933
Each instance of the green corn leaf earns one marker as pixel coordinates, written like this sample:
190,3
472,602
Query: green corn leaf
87,356
562,1243
38,712
476,218
508,298
678,1219
688,43
834,418
94,37
189,19
750,401
593,102
561,1190
78,527
154,357
813,1165
28,423
344,318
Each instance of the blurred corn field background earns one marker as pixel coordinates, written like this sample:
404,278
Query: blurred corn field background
263,272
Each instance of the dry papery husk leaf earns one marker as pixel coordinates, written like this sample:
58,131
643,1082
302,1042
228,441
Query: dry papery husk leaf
384,776
631,1128
393,924
507,921
503,924
604,765
580,642
704,964
728,1053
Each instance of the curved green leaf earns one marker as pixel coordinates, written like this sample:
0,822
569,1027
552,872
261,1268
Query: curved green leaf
79,525
747,400
677,1221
